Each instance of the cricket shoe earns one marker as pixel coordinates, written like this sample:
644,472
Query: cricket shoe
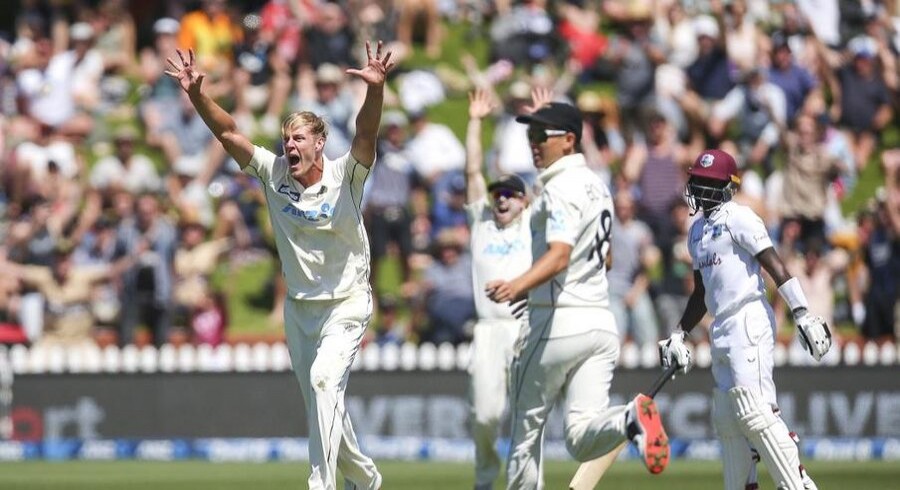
645,430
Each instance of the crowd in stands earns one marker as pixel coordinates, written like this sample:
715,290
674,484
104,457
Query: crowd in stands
118,205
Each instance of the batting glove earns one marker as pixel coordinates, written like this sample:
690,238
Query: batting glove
814,334
675,351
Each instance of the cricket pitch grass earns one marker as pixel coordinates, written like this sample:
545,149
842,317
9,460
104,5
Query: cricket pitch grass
399,475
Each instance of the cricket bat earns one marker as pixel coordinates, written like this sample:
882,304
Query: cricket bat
590,473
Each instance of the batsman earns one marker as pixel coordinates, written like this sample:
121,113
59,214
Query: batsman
728,244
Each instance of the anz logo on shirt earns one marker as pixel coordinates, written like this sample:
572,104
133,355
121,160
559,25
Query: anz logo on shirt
504,248
324,212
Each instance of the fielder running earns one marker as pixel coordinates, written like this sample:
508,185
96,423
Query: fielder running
501,248
572,343
727,247
314,205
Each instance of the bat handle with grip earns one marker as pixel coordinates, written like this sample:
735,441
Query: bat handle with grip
663,378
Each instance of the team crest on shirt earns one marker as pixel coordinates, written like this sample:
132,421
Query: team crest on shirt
717,231
706,160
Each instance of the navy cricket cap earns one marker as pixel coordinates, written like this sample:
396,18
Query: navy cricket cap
509,181
556,115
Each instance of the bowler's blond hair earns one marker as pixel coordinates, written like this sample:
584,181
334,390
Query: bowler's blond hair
316,124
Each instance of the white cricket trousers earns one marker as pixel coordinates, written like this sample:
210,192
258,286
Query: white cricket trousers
743,346
323,338
579,367
492,352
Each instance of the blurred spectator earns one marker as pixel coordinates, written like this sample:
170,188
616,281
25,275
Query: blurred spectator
125,169
579,29
389,328
881,251
194,263
60,86
116,35
816,269
447,289
282,22
210,32
186,142
709,76
66,290
675,29
210,320
438,157
760,109
744,41
677,280
448,210
633,256
523,34
601,141
393,189
824,18
262,78
331,97
861,102
150,237
635,54
657,170
415,16
161,93
807,174
330,38
49,152
797,83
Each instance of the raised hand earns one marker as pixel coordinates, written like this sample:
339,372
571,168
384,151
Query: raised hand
186,72
480,104
540,97
377,66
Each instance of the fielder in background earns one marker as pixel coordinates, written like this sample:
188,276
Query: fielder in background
314,205
501,248
727,247
571,344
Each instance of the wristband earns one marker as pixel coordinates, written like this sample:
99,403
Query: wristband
793,294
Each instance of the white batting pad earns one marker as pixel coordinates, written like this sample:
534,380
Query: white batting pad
737,460
770,436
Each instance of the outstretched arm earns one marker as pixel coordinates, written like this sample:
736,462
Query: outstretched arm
221,124
813,331
480,105
369,117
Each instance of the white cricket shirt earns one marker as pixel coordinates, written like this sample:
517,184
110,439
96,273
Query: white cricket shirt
724,248
575,207
497,253
319,230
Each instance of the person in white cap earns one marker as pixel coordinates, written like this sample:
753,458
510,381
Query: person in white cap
728,246
571,343
314,206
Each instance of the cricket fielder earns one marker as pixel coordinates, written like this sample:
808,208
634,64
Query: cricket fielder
314,205
501,248
572,343
727,247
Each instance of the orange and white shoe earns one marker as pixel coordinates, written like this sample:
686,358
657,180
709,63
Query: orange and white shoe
645,430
